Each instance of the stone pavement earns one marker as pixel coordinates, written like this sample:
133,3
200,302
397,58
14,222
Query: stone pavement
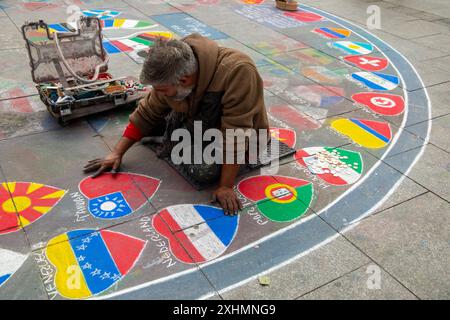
375,227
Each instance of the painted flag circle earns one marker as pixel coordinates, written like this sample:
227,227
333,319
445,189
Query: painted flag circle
89,262
22,203
367,133
115,196
196,233
335,166
280,199
381,103
354,48
368,63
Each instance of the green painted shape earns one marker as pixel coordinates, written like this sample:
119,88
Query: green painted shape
352,157
143,24
143,41
285,212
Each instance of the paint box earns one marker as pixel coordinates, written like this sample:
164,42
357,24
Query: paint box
64,61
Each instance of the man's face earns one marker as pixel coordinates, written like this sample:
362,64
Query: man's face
177,92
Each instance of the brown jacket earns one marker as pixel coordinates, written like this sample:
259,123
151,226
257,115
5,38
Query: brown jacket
227,78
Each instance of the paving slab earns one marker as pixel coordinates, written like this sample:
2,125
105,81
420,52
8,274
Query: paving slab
440,128
416,256
152,7
24,116
303,274
407,190
11,36
20,278
357,285
15,80
431,170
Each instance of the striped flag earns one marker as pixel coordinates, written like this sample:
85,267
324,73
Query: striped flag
377,81
196,233
353,47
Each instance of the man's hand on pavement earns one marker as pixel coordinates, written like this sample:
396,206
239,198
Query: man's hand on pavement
228,200
111,161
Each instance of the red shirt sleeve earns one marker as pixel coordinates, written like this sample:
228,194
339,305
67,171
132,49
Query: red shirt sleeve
132,132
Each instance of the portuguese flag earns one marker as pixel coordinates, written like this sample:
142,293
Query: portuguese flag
280,199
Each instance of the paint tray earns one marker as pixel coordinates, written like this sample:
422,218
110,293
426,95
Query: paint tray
69,66
264,159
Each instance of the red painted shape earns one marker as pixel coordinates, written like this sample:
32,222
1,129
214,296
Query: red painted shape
368,63
326,34
254,188
294,118
380,127
19,104
161,226
122,47
381,103
304,16
130,185
287,136
125,250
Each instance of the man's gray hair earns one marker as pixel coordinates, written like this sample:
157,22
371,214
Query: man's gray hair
167,62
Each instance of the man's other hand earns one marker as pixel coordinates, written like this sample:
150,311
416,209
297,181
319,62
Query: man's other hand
228,200
111,161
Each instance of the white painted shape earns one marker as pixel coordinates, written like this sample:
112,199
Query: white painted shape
10,261
205,241
185,215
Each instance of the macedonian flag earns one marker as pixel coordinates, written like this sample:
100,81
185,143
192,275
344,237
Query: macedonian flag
22,203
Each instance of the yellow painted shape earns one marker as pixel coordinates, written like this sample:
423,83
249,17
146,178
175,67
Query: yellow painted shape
344,32
118,23
23,222
33,187
357,134
42,210
54,195
269,195
19,203
69,278
9,186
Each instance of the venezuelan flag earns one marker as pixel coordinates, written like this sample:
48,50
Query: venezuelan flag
88,262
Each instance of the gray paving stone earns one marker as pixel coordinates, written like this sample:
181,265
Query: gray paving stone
407,190
304,274
417,255
440,99
25,283
441,40
432,170
439,131
357,286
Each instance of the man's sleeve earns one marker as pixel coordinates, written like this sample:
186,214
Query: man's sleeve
149,114
243,98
